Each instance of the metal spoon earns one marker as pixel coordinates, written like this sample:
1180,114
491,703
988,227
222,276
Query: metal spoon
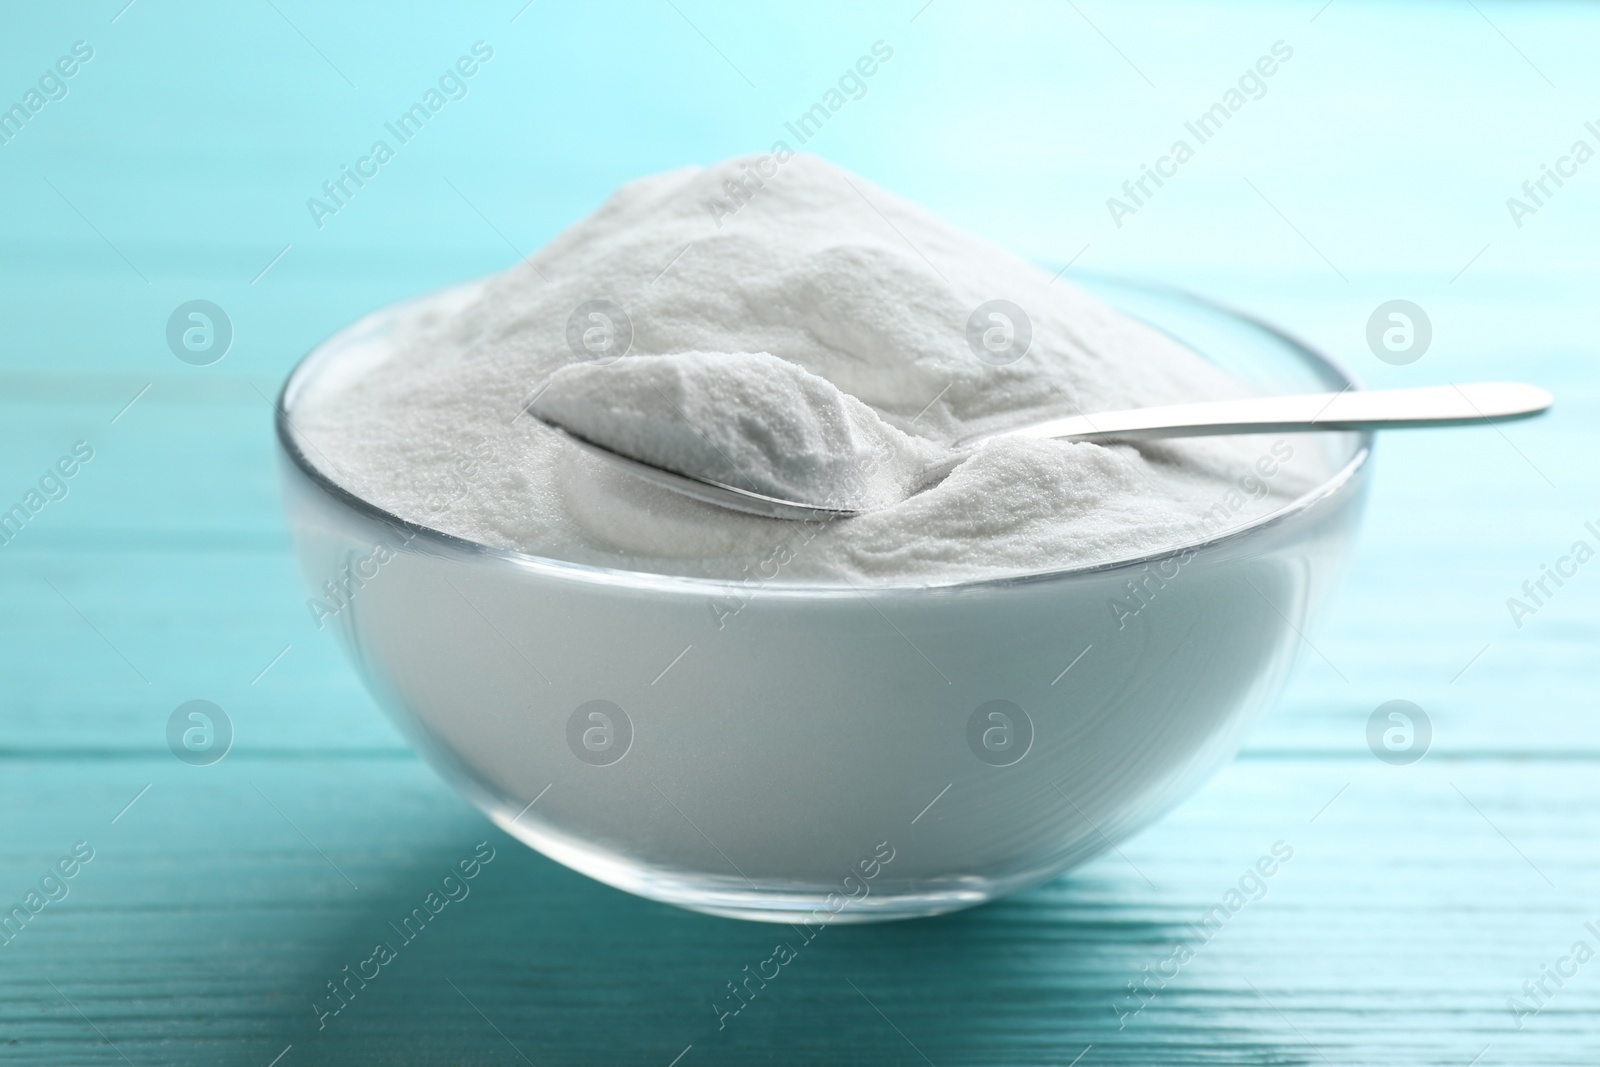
1377,409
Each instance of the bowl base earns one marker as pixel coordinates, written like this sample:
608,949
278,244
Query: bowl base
736,898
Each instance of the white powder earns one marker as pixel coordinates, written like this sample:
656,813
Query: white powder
744,419
821,272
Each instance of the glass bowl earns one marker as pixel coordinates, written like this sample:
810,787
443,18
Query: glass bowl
769,750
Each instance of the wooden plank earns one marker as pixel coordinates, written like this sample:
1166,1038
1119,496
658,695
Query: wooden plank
217,907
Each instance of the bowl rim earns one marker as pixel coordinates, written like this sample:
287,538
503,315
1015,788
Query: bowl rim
440,543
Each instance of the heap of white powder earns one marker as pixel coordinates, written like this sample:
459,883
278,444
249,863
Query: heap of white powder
821,330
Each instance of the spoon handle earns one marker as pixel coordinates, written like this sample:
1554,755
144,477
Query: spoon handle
1375,409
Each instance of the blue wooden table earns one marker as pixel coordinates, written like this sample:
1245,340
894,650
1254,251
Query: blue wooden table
175,913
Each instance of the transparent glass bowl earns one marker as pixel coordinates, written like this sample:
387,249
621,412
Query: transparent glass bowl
768,750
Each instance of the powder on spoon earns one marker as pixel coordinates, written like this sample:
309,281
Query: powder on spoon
826,273
746,419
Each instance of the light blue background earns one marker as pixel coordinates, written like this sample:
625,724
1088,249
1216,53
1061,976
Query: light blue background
178,167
